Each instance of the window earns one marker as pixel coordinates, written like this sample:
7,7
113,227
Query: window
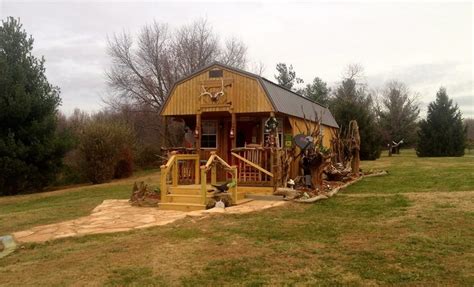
209,134
216,74
279,130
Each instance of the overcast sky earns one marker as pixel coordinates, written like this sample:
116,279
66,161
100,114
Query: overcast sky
425,45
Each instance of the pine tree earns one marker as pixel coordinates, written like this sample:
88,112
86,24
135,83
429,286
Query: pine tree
443,132
286,76
30,149
317,91
351,102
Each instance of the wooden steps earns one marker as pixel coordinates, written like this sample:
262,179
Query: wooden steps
181,206
188,198
266,190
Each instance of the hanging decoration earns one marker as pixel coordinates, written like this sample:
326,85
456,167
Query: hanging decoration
271,125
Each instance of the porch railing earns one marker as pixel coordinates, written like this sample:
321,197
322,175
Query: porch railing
187,167
179,169
254,165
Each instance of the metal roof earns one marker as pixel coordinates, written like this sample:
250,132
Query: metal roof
283,100
291,103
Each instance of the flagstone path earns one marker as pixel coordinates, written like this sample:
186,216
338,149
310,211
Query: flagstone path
118,215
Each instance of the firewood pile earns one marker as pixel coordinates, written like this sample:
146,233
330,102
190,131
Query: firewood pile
141,196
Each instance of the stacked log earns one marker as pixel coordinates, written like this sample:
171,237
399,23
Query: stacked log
141,196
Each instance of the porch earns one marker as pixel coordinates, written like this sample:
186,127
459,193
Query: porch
238,139
186,185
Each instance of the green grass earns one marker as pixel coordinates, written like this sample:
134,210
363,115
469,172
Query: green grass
390,230
24,211
407,173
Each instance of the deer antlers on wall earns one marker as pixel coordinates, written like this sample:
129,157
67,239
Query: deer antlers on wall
214,97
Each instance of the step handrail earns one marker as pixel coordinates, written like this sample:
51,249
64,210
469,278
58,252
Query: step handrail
213,157
256,166
211,165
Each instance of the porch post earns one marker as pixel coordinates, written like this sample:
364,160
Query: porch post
199,130
234,128
275,168
164,136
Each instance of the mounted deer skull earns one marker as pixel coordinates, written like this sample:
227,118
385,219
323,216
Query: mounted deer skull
214,97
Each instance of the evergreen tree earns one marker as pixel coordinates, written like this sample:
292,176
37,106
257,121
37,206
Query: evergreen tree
286,76
317,91
352,102
443,132
30,149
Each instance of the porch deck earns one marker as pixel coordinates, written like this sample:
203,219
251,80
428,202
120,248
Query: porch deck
184,183
188,197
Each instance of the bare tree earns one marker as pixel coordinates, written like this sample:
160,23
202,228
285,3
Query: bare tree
354,72
234,54
398,112
144,70
258,68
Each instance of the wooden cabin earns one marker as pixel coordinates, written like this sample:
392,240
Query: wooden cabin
225,111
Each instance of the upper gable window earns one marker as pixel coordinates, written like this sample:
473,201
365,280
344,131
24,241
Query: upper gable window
216,74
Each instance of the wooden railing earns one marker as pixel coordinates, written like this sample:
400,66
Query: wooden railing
179,169
254,165
211,165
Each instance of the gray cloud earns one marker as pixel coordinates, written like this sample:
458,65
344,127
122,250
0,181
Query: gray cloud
426,45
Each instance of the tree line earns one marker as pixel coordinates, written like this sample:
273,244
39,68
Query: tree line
40,147
386,115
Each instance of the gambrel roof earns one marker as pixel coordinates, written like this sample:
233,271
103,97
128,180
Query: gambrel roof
283,100
291,103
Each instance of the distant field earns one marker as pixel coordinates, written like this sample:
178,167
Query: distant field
414,226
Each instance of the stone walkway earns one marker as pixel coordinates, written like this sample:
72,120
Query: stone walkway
117,215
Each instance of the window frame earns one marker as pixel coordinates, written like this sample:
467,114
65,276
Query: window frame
216,73
216,124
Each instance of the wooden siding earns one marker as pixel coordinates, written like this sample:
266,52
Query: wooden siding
298,126
245,94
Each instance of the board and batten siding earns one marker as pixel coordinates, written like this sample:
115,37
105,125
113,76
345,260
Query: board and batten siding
246,94
298,126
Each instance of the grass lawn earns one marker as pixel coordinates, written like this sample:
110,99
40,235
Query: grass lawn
25,211
414,226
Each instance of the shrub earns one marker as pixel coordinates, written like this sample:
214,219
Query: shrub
124,167
148,156
102,145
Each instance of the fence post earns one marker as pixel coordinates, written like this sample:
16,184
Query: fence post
196,171
175,173
203,185
234,177
163,189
